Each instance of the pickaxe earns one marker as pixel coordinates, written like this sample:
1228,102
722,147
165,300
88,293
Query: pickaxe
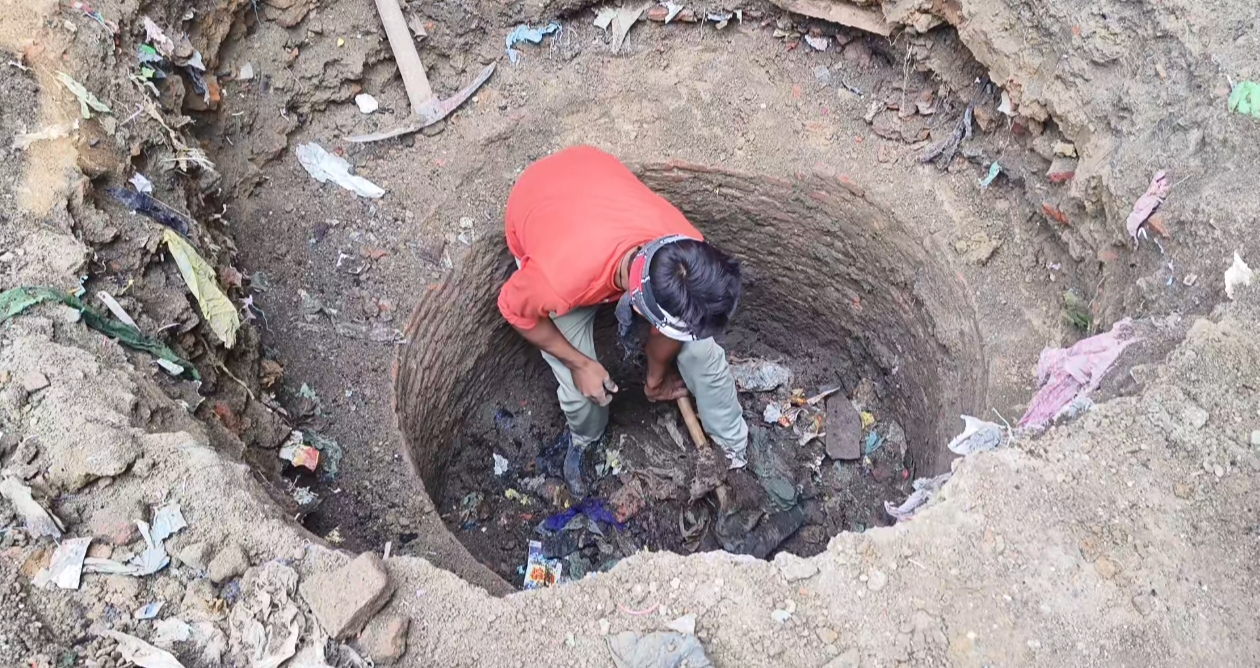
426,109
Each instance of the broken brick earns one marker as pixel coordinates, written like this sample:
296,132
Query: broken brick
1054,213
1061,170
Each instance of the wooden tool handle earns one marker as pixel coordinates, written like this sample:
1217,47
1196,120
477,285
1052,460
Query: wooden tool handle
405,54
693,422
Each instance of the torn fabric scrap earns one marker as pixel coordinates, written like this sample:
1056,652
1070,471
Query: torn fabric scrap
525,33
977,436
1066,373
924,490
1147,203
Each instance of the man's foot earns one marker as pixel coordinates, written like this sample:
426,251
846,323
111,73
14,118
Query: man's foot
573,454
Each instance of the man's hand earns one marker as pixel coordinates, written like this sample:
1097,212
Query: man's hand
593,381
669,388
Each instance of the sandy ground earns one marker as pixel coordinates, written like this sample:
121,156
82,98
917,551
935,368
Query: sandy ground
1142,553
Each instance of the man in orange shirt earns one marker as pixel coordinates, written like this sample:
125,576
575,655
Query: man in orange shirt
585,231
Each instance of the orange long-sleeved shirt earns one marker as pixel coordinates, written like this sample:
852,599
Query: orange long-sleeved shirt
571,217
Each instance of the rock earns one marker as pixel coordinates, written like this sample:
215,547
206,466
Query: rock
1195,416
115,524
1065,149
844,430
230,562
827,636
1061,170
112,452
850,659
1255,439
795,568
1106,568
876,580
345,599
385,638
34,381
685,624
1182,490
193,555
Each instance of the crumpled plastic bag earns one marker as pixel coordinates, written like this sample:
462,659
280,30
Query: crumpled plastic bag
1237,274
326,167
760,375
525,33
977,436
1066,373
924,490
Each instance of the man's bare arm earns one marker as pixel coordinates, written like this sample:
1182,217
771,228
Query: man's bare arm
589,375
663,382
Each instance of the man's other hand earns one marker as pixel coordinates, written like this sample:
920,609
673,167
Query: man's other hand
670,387
593,381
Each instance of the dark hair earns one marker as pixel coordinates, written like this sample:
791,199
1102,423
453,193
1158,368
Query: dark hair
696,283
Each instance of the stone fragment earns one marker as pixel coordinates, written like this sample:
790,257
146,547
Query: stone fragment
1106,568
385,638
345,599
193,555
844,430
34,381
115,523
230,562
876,580
795,568
849,659
1061,170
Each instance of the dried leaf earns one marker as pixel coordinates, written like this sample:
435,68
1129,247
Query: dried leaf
87,101
215,306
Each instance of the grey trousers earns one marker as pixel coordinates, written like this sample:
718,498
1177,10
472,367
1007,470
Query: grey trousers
702,365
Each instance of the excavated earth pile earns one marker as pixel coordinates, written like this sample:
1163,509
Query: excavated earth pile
1123,536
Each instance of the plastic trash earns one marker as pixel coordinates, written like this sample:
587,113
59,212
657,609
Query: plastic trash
141,183
924,490
525,33
167,521
596,509
663,649
994,170
1147,203
760,375
540,571
819,43
148,610
16,300
366,103
203,283
325,167
146,205
1244,98
1066,373
977,436
1237,274
500,464
66,567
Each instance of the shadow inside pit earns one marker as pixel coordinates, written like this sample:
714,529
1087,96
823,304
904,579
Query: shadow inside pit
835,289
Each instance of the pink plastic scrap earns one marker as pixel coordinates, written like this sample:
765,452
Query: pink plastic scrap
1067,373
1146,204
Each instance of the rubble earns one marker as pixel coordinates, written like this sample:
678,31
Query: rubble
344,600
230,561
384,638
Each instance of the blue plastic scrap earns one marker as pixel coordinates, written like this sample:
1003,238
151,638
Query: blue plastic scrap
994,170
524,33
591,507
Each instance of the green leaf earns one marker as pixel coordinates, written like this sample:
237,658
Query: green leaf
217,309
